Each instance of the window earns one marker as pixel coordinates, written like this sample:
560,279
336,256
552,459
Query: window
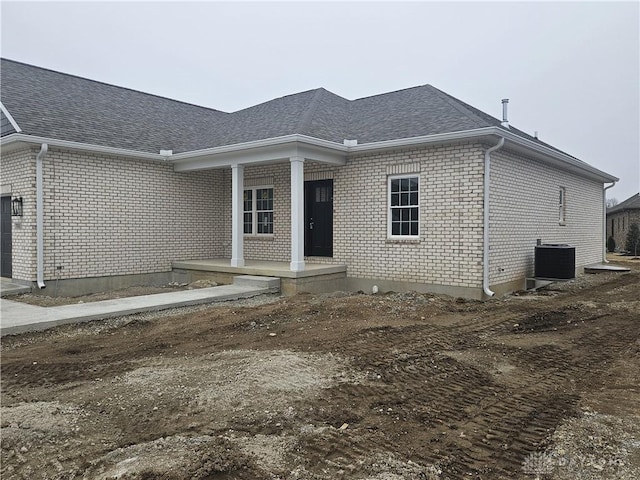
562,206
258,211
404,206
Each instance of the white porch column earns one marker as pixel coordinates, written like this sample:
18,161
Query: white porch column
237,210
297,214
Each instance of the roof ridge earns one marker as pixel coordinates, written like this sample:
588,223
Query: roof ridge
113,86
458,105
305,120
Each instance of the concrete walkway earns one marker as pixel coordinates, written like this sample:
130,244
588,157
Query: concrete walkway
17,317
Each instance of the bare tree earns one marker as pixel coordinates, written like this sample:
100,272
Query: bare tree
612,202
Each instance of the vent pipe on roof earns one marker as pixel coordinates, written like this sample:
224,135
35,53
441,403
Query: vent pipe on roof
505,118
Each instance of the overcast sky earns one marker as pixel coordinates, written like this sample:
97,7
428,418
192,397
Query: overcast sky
571,70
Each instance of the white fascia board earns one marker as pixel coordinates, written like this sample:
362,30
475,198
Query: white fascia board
422,140
265,151
541,152
559,159
15,138
12,120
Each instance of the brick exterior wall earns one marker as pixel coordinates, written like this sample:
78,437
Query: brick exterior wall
108,216
449,249
18,178
525,207
619,229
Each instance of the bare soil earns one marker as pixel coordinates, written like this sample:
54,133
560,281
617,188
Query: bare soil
380,387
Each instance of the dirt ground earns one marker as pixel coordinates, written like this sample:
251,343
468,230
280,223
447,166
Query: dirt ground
379,387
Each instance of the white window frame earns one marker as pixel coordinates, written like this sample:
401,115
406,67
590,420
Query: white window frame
254,211
390,208
562,206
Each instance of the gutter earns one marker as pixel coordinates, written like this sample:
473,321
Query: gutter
485,230
604,222
40,217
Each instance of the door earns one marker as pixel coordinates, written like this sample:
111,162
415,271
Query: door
5,237
318,215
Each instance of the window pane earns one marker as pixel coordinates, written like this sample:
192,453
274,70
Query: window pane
248,223
395,185
404,184
395,215
395,199
414,228
404,199
414,214
413,182
248,200
413,198
404,228
405,214
265,222
395,228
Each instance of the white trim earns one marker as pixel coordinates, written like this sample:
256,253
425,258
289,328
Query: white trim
12,121
282,148
237,210
297,214
390,235
254,211
52,142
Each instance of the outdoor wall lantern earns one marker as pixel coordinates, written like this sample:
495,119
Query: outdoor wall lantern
16,207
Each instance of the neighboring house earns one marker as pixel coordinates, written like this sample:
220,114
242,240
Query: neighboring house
411,189
620,217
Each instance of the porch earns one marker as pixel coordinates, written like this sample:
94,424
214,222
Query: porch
315,278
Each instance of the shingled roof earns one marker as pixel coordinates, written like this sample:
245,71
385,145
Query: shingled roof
631,203
50,104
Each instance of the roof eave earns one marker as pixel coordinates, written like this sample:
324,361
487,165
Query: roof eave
513,141
21,139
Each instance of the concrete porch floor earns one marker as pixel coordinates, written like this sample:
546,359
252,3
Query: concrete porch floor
315,278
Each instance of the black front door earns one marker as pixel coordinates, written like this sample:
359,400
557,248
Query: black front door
318,215
5,237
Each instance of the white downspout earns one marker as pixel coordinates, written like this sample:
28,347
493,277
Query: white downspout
485,239
40,217
604,222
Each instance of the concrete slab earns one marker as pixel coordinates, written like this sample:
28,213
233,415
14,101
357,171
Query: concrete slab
605,267
9,287
16,317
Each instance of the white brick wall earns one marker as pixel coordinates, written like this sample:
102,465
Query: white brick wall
447,252
107,216
17,176
524,207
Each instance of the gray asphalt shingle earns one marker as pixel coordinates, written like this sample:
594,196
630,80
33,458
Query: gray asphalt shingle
56,105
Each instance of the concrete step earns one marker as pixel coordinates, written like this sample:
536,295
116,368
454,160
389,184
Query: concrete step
270,283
